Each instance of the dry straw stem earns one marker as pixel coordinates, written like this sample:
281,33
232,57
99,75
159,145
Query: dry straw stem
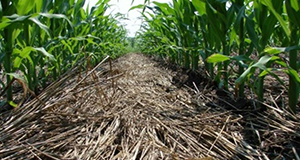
142,115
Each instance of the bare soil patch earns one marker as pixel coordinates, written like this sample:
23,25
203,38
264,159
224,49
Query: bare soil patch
136,108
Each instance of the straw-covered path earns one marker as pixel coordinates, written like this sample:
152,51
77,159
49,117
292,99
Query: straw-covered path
131,109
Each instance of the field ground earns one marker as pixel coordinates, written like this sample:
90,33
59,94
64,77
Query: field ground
137,108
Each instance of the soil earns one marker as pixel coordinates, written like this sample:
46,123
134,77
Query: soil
139,108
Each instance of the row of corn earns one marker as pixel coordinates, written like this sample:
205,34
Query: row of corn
244,40
42,39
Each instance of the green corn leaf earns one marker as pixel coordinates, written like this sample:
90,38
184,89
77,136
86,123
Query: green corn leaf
25,54
91,41
80,3
4,23
249,71
67,45
233,37
294,74
282,22
13,104
244,76
18,18
215,58
262,61
50,50
17,62
140,6
45,53
265,72
25,6
39,6
200,6
82,13
273,50
295,5
87,10
281,63
16,33
22,54
211,7
8,20
41,25
230,15
250,24
240,15
78,38
99,12
94,37
164,7
57,16
293,13
241,58
269,71
277,50
275,58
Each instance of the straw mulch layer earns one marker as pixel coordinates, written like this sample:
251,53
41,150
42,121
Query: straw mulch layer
137,109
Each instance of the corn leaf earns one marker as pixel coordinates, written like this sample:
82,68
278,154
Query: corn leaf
57,16
4,23
269,71
283,23
260,64
25,54
18,18
15,33
250,25
41,25
292,9
164,7
277,50
140,6
67,45
45,53
13,104
24,6
215,58
295,5
240,15
291,72
200,6
22,54
241,58
39,5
